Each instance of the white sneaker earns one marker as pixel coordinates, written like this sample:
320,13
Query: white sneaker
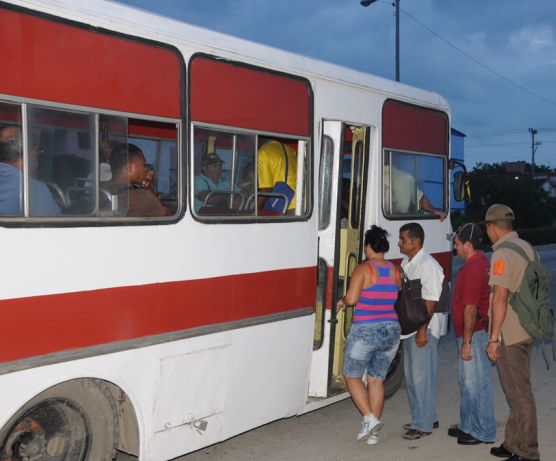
373,439
369,425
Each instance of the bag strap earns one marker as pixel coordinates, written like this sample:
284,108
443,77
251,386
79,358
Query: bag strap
403,276
285,155
519,250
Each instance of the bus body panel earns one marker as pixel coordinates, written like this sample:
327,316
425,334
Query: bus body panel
214,278
244,399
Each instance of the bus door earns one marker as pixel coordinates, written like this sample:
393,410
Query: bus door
342,175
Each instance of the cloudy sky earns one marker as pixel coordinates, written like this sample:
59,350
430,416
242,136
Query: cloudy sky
494,60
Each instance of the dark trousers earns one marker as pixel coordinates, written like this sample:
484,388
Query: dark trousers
514,368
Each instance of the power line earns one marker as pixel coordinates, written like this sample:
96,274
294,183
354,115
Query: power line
472,146
475,60
495,144
501,133
513,132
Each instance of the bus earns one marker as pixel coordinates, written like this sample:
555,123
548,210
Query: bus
157,334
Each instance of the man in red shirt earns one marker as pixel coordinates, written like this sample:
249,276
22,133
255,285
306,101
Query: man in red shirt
470,313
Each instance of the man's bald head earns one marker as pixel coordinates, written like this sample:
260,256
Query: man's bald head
10,145
9,133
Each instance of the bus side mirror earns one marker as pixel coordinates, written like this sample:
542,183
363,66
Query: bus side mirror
459,185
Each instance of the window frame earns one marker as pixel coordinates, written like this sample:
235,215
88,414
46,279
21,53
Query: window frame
326,165
412,216
247,219
93,221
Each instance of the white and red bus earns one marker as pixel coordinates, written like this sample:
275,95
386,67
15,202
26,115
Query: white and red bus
158,336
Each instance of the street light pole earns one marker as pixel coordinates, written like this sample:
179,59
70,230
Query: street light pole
534,146
396,5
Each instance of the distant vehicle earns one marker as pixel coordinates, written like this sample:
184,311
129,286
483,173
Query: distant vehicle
160,335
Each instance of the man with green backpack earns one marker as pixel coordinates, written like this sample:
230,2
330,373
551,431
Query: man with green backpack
520,313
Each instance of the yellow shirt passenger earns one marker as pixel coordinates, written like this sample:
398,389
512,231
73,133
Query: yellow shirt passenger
271,167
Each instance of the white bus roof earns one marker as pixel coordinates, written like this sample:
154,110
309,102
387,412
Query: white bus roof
137,22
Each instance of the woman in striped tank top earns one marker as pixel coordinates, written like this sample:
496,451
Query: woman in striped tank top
374,337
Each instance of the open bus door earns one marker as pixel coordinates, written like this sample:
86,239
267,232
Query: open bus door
342,186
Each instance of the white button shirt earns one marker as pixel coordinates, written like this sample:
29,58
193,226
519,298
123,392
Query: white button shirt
424,267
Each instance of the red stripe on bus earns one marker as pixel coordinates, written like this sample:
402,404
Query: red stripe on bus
40,325
52,61
232,95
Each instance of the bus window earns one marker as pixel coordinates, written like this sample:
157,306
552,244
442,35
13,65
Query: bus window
11,160
282,166
61,150
63,164
325,181
357,184
224,169
234,177
161,157
137,168
407,177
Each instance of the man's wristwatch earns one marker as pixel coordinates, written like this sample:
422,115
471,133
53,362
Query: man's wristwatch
467,342
495,341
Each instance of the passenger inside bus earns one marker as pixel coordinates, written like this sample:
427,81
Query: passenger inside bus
407,197
210,182
104,154
41,201
277,176
104,169
131,183
247,181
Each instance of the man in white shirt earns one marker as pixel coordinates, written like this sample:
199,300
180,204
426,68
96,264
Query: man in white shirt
421,348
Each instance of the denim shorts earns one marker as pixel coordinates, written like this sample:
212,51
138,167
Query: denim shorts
371,347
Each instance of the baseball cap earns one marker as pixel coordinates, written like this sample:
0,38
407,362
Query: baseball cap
499,212
469,232
211,158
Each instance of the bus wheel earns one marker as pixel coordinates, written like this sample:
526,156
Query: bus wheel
70,422
394,378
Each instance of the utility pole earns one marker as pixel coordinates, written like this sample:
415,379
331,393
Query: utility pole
396,6
534,146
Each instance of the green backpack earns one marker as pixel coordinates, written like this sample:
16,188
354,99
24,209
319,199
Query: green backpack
532,301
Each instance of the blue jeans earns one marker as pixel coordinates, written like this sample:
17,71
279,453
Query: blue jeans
420,369
371,347
476,411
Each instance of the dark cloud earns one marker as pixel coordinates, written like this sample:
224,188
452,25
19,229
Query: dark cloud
515,38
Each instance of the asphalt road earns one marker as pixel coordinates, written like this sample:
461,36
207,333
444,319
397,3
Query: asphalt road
328,434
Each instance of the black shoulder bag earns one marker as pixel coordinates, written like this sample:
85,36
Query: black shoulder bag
410,306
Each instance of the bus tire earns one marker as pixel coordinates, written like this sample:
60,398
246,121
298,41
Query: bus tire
395,376
72,421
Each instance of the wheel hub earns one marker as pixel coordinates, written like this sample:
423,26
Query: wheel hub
31,447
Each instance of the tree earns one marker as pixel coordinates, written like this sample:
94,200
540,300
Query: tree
490,183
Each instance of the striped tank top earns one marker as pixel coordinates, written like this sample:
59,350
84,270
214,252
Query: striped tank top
376,303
